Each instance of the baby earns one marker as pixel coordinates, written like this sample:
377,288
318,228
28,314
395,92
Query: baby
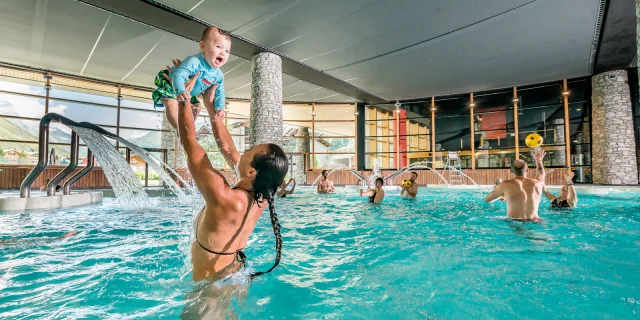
215,46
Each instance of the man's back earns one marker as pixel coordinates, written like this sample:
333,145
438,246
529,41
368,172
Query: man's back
521,193
523,197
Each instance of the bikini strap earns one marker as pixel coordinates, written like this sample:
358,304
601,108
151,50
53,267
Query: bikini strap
211,251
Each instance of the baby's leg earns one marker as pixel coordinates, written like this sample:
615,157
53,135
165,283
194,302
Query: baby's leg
171,111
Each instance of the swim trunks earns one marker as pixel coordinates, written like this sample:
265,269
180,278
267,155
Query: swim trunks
164,90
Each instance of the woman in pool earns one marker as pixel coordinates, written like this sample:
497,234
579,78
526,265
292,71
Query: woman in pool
376,195
282,190
230,214
568,197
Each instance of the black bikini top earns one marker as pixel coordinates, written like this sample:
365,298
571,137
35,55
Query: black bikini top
239,251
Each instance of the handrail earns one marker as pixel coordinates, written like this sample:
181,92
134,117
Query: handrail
43,157
43,147
73,163
79,174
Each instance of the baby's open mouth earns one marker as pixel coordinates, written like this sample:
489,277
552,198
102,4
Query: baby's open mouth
219,59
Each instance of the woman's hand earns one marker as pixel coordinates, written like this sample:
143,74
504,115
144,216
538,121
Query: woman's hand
188,86
569,176
209,96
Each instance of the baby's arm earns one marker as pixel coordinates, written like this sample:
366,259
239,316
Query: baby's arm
181,74
219,102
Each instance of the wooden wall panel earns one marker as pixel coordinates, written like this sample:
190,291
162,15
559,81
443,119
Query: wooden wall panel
11,177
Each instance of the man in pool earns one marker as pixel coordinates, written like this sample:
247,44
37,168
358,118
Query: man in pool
522,194
325,185
412,190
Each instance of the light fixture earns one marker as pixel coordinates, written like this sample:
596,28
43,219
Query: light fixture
397,110
313,114
578,109
472,105
397,104
433,109
516,99
565,93
355,113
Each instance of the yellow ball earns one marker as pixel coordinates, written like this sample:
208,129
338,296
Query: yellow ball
406,183
534,140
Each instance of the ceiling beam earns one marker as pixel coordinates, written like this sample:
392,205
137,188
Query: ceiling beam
164,18
617,45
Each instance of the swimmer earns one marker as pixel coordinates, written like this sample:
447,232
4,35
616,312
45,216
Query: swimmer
522,194
215,46
411,191
230,214
376,195
568,197
46,182
325,185
39,239
282,190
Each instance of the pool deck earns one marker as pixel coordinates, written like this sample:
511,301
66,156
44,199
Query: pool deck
13,202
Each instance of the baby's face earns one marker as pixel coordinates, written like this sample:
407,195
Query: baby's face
216,49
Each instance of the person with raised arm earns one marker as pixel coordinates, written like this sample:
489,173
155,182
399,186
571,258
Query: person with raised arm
522,194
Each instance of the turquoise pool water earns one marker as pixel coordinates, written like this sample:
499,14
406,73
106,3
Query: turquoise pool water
445,255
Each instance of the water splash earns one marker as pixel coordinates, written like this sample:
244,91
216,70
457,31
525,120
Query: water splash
159,167
124,182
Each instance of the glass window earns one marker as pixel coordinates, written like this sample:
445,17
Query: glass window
494,130
142,119
22,86
21,106
330,161
83,95
143,138
19,153
452,124
84,112
541,111
20,130
136,103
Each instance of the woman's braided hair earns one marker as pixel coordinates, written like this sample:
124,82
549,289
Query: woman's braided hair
271,168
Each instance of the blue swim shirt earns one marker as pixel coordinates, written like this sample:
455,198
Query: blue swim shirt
208,77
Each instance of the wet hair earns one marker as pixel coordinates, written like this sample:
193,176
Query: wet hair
379,180
323,171
413,172
211,29
518,170
58,188
271,168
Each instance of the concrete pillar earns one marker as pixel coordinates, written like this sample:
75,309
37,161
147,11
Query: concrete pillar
266,99
303,145
168,141
613,146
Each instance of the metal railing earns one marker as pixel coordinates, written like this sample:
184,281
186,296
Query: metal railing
43,156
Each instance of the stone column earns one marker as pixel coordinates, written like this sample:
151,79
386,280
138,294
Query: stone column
168,141
266,99
613,146
303,145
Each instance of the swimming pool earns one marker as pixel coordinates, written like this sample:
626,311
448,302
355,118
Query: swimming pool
446,255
